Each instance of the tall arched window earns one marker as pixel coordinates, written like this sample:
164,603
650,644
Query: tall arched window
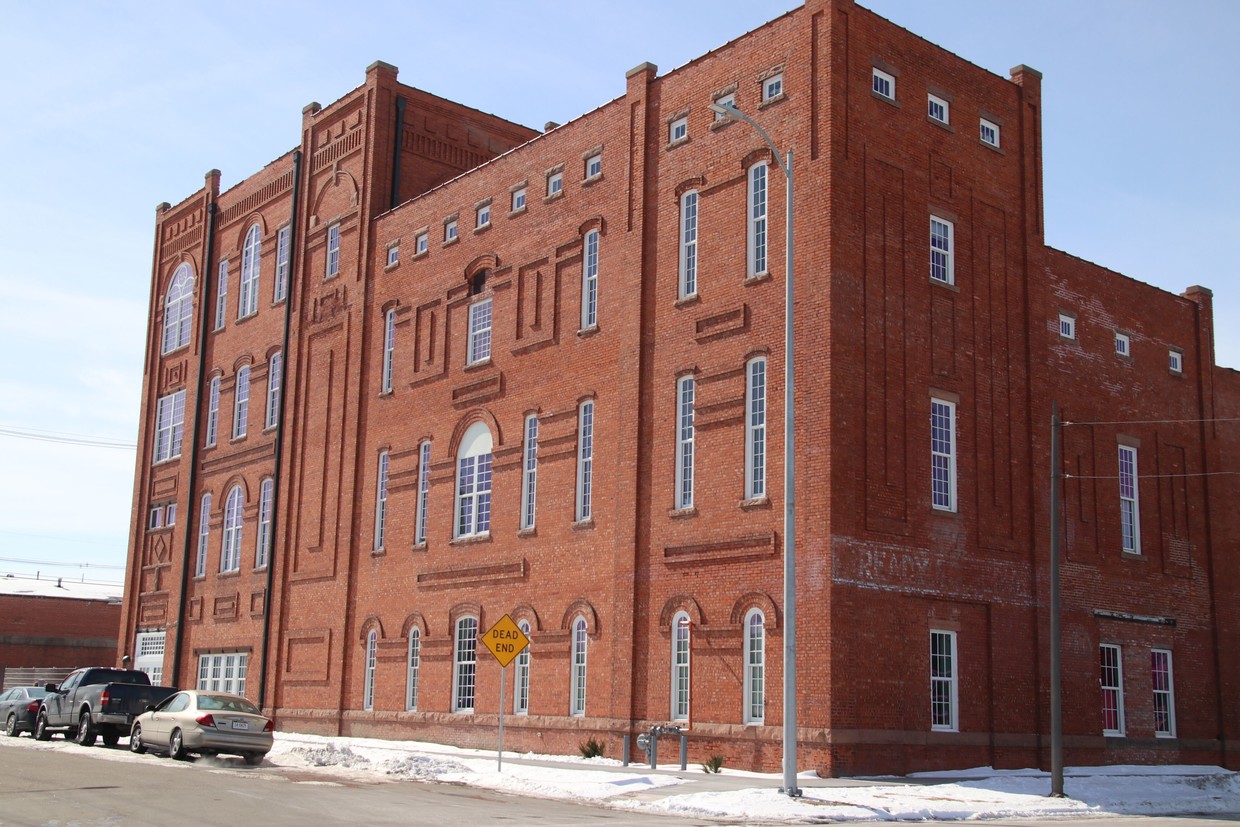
521,692
589,282
415,655
473,482
756,225
251,254
204,535
755,667
230,557
263,550
688,243
465,663
179,308
577,694
685,390
368,689
241,402
680,667
424,488
275,371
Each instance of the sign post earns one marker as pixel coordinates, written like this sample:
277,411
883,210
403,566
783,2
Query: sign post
505,641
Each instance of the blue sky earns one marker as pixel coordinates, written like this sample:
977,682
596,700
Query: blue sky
113,108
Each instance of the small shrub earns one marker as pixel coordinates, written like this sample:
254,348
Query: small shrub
713,764
591,749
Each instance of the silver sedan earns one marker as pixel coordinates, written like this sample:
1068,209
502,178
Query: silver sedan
207,723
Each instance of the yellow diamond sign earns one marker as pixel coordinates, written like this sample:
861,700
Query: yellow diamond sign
505,640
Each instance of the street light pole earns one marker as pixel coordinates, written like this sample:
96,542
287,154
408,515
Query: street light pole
790,788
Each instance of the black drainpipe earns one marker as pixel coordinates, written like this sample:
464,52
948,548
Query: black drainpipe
400,132
203,331
279,440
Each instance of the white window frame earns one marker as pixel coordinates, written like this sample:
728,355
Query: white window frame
755,667
989,133
449,231
1067,326
585,461
594,166
478,348
482,216
1111,683
1123,344
411,669
521,680
424,487
155,517
773,87
241,403
724,101
518,199
393,255
368,682
577,667
275,371
938,109
169,426
1164,719
589,280
678,130
389,349
213,411
251,260
686,390
262,548
171,512
223,672
944,688
221,296
283,250
555,184
234,530
757,203
942,454
179,309
681,668
148,654
474,478
1175,360
942,250
755,428
421,244
381,494
688,244
204,536
333,252
529,474
464,664
1129,500
883,84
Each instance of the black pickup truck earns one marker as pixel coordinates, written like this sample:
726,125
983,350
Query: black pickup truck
96,702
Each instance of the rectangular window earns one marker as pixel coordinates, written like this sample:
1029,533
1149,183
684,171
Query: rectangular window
241,403
283,240
149,654
421,244
944,688
247,301
684,442
263,550
171,512
204,536
223,672
1067,326
755,430
1175,360
942,261
424,488
688,243
884,84
938,109
555,184
1111,679
473,501
521,692
482,216
333,251
389,349
755,667
1129,504
585,460
594,166
1123,344
449,231
169,426
155,518
678,130
381,491
577,691
589,282
465,662
213,411
772,87
518,199
680,668
368,682
479,349
989,133
411,677
1164,693
393,256
221,295
943,454
275,370
757,219
529,473
726,100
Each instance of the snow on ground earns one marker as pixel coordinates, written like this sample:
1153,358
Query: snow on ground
979,793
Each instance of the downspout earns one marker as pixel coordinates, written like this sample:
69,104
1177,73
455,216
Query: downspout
203,329
396,146
279,439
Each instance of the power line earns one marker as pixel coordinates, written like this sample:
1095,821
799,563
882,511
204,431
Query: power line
1154,476
1066,423
55,564
66,438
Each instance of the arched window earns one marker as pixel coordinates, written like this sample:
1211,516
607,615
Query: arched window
521,692
529,473
577,664
179,308
213,411
589,282
756,235
251,254
263,550
230,557
688,243
585,461
685,389
275,370
204,535
473,482
755,667
241,402
680,667
465,662
368,688
415,655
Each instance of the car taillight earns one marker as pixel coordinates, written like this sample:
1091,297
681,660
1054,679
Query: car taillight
205,720
104,698
33,706
271,726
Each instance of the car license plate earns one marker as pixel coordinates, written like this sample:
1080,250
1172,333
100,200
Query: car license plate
240,725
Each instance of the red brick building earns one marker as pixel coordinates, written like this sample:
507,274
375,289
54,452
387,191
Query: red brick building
431,367
51,626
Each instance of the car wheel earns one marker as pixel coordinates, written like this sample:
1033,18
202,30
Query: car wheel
176,746
85,731
40,728
10,726
135,740
110,739
253,759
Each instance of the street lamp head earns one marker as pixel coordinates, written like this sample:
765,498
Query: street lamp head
726,110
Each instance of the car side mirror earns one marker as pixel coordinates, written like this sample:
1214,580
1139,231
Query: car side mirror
51,687
150,707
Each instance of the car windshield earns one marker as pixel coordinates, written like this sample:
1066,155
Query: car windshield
226,703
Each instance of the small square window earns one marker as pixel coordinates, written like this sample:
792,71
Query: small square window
1123,344
772,87
989,133
449,230
484,215
678,131
393,255
594,166
726,100
938,109
884,84
555,184
421,244
518,200
1067,326
1175,361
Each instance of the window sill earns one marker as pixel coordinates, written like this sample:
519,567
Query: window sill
516,212
946,285
386,394
236,439
688,301
471,539
946,512
758,278
683,513
1131,555
885,99
378,552
755,503
277,302
184,346
390,267
482,229
449,242
532,531
586,332
553,196
772,101
941,124
167,461
592,180
480,364
678,142
991,147
270,429
227,574
259,569
583,525
419,546
720,123
417,256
